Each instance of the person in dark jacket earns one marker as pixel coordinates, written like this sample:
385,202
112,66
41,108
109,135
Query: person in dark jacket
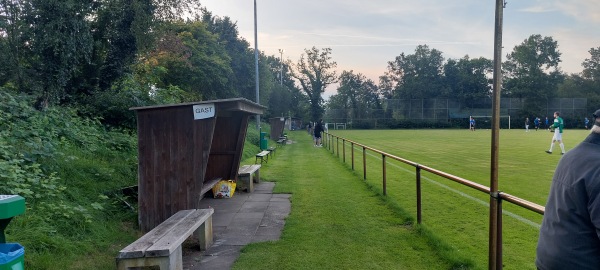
570,232
318,131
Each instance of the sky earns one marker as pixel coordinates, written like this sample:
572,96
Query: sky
365,35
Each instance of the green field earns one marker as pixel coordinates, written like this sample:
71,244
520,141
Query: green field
457,214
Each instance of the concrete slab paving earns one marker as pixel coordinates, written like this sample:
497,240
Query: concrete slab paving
245,218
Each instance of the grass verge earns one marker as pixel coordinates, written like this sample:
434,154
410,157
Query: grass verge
337,222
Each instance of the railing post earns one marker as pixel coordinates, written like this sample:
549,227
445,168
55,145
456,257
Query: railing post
337,143
352,151
344,151
418,174
384,175
364,163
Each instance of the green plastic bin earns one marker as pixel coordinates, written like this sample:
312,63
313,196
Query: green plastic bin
264,145
11,256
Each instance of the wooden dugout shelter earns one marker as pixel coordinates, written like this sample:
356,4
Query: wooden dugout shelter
184,149
277,125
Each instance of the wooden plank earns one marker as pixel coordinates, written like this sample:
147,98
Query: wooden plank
248,169
179,233
263,153
138,248
208,185
243,170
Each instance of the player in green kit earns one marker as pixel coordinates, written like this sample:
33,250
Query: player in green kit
558,130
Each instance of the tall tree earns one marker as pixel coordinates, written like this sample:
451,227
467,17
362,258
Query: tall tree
238,49
280,102
68,47
587,83
358,94
417,75
202,68
468,79
532,73
591,66
60,42
15,29
315,72
386,87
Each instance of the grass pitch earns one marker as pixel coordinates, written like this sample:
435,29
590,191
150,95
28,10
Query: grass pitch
456,214
340,221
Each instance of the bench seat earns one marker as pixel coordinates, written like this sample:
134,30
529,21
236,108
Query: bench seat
245,177
162,245
281,142
262,156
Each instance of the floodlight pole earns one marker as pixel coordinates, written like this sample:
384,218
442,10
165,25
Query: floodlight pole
256,64
281,67
495,237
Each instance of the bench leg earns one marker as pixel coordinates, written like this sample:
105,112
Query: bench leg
174,261
204,234
171,262
257,178
246,182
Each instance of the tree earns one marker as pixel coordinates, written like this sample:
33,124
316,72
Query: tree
68,48
532,73
591,66
468,79
417,75
15,29
279,102
201,66
238,49
314,72
356,93
386,87
60,42
586,85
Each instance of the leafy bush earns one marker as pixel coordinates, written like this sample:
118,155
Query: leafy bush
62,165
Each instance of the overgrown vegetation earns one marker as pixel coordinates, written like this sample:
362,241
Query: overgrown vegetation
70,171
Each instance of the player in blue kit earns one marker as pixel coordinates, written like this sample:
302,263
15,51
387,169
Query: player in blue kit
472,124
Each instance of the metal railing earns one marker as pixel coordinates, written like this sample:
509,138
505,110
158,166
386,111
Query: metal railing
334,147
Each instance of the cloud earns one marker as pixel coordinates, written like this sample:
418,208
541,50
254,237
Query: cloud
538,9
580,10
365,35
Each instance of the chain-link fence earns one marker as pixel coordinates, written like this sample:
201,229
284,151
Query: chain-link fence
436,113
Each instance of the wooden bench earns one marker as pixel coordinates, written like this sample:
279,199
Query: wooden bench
162,245
271,150
245,177
262,156
281,142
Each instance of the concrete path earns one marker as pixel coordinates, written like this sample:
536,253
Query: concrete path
245,218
